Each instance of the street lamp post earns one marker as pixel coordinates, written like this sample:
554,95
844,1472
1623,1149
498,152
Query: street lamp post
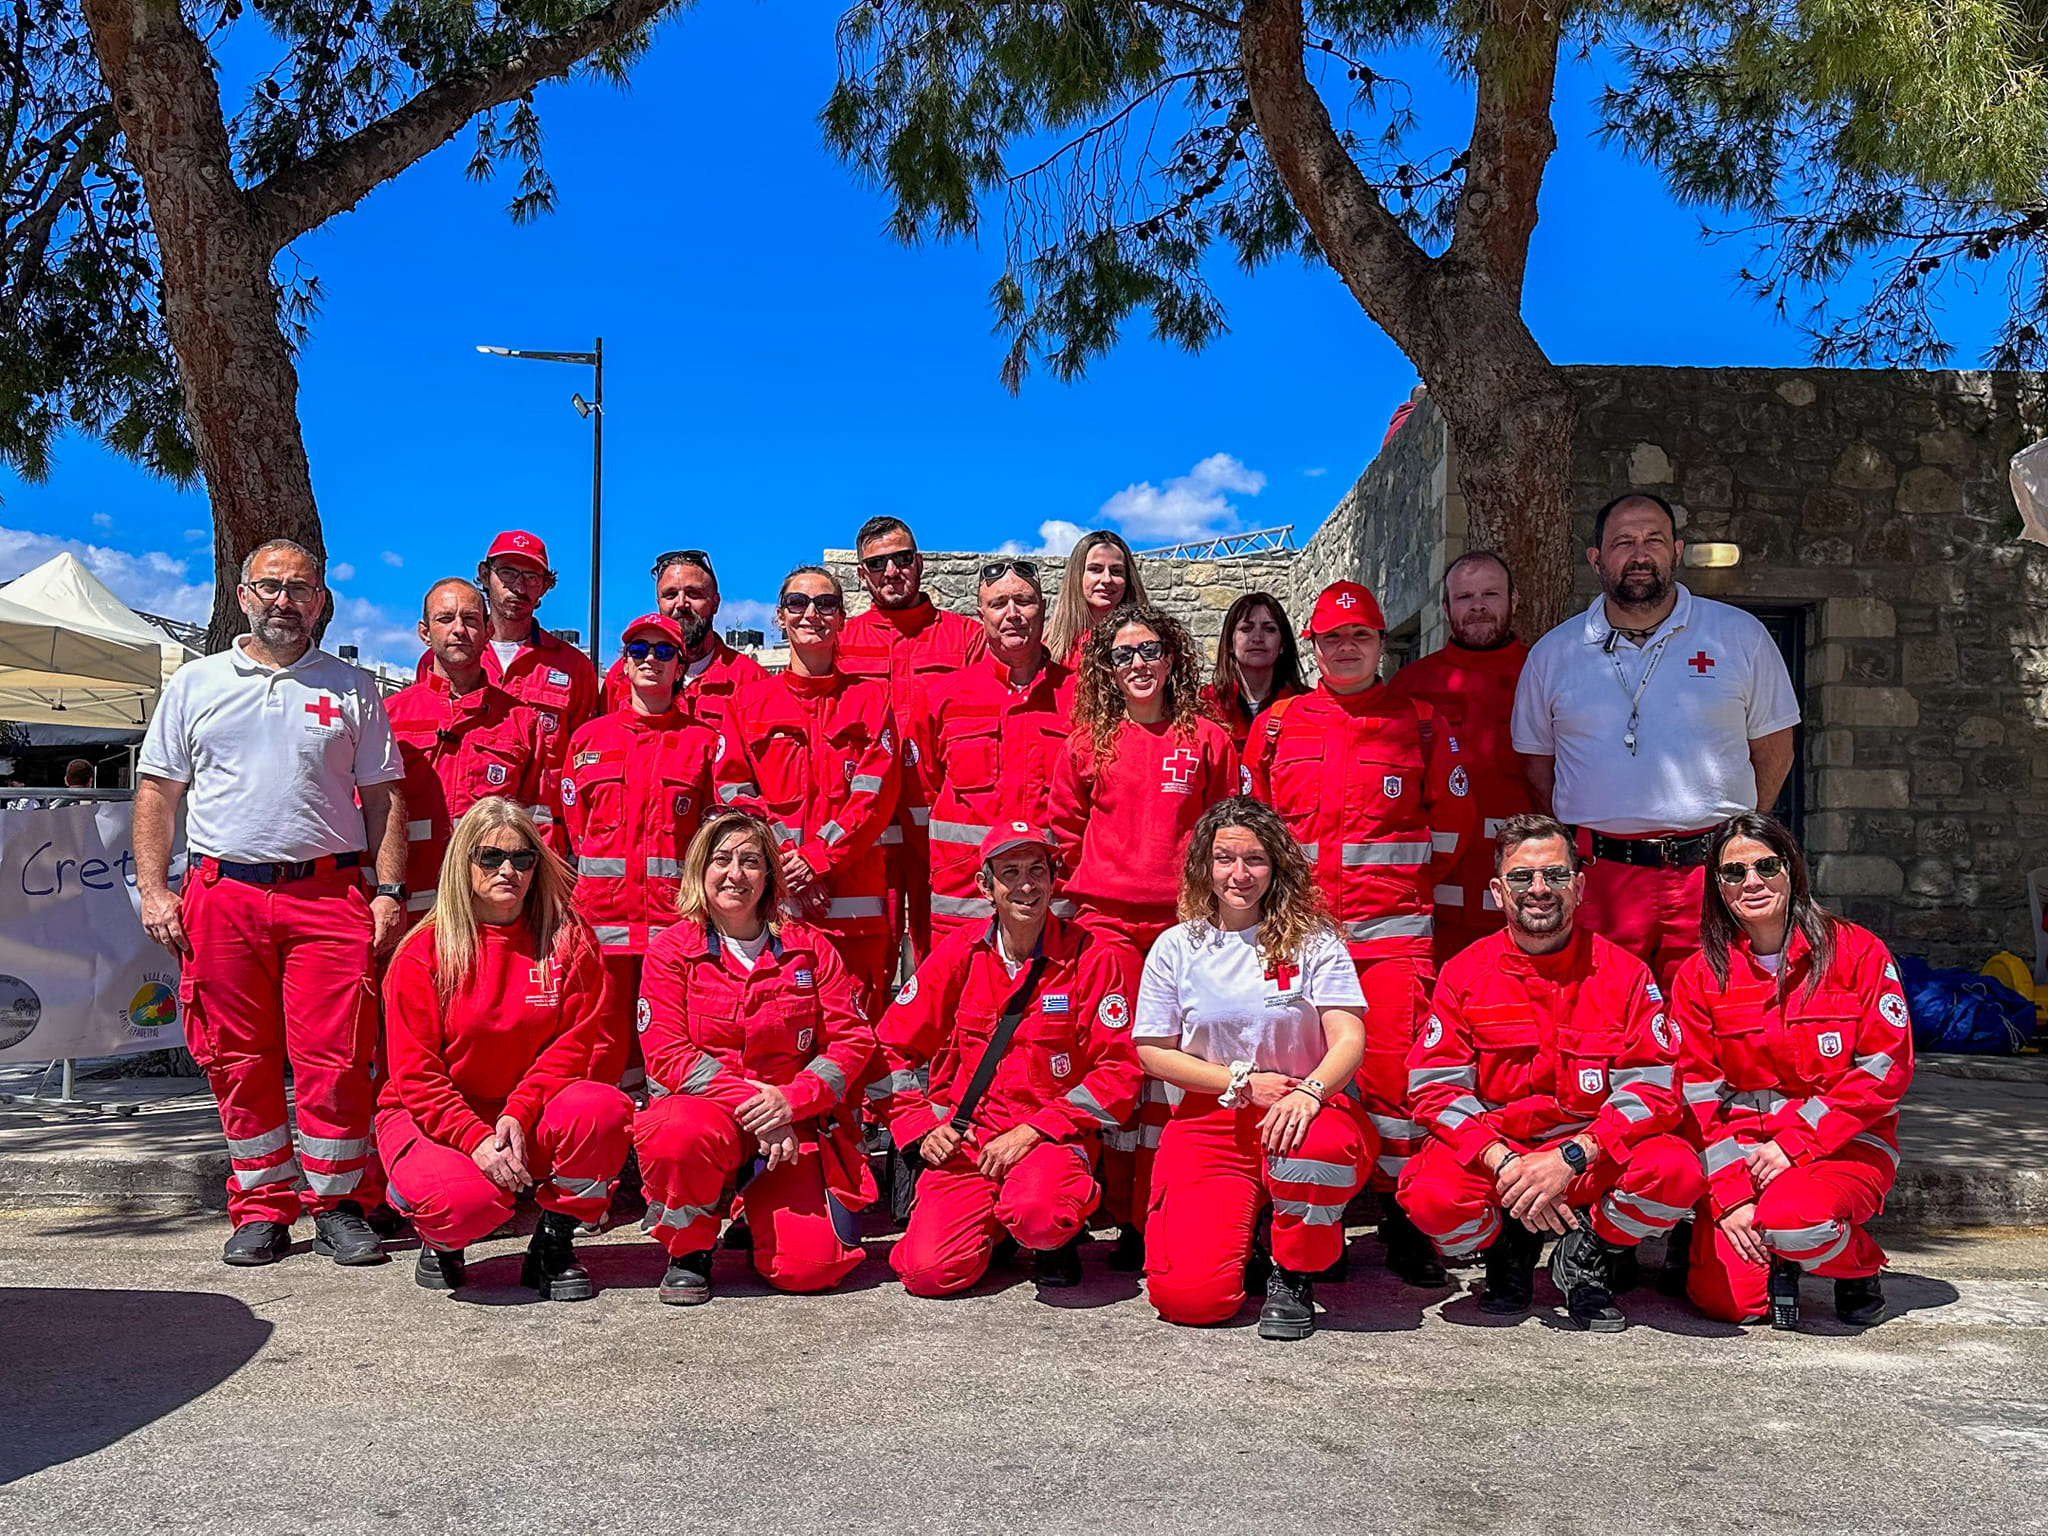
591,410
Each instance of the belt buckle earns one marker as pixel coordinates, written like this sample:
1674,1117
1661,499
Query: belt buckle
302,870
1667,854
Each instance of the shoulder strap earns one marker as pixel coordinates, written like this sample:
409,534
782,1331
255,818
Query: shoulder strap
998,1043
1275,712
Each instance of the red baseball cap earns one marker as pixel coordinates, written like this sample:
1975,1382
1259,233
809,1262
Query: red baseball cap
1341,603
1006,835
519,549
654,626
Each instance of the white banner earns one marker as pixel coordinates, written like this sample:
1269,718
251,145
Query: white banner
78,977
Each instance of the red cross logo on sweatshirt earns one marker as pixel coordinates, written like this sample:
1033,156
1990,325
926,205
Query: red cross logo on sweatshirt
1283,973
326,711
1180,770
1702,663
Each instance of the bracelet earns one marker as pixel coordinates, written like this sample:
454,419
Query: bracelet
1240,1080
1512,1155
1303,1087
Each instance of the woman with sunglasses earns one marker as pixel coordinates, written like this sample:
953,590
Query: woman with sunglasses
1102,576
755,1036
492,1009
1141,766
636,784
817,749
1257,665
1795,1049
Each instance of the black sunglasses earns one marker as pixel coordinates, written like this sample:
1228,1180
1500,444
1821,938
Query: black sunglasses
824,602
683,557
903,559
1556,876
521,859
660,650
995,570
1767,868
1144,650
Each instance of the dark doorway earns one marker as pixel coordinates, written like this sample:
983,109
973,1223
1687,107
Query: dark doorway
1787,627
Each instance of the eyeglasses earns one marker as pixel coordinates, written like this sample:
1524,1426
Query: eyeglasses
695,557
518,575
824,602
660,650
1767,868
995,570
1556,876
902,559
270,591
1144,650
521,859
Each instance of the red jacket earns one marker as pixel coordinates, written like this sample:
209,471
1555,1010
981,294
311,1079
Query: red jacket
706,695
1376,791
456,751
1123,825
1814,1072
520,1032
820,754
1530,1049
552,676
906,650
1070,1069
634,791
984,753
1473,693
1234,717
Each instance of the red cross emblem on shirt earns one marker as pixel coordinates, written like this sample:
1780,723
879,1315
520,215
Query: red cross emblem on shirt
541,978
326,711
1180,767
1283,973
1702,663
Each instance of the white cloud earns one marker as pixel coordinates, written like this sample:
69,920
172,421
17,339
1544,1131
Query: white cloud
1189,506
341,571
196,535
391,558
1317,473
748,613
1055,537
103,519
377,634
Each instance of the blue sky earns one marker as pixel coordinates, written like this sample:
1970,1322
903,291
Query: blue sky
778,369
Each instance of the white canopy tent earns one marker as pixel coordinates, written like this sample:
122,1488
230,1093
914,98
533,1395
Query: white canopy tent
72,653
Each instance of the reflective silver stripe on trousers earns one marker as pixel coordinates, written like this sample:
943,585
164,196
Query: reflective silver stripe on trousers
1878,1066
1391,1164
1310,1214
333,1149
865,784
1356,854
1148,1135
1463,1242
1389,1125
831,833
674,1218
582,1189
1389,928
1656,1210
1705,1091
260,1146
1869,1140
1082,1099
854,906
1455,1077
827,1072
957,832
727,793
665,869
962,906
1634,1226
333,1183
1815,1236
419,831
1120,1141
921,815
1444,842
612,935
603,868
702,1074
277,1173
1310,1170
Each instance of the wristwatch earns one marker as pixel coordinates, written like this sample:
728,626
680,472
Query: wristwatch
1574,1157
396,892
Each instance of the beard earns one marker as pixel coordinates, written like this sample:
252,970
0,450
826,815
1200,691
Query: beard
1541,922
1640,586
1482,632
696,629
275,629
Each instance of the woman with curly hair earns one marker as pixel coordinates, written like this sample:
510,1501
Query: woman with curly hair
1102,576
1250,1012
1257,665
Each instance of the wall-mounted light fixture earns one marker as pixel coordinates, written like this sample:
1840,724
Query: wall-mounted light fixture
1712,557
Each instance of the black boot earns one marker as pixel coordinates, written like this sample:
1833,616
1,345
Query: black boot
1677,1260
1258,1268
688,1281
1784,1294
1128,1256
1510,1270
1058,1269
1409,1253
1582,1269
257,1242
1859,1301
344,1236
1290,1309
440,1269
551,1265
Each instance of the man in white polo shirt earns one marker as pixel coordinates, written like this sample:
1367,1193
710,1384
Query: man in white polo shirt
1646,721
269,745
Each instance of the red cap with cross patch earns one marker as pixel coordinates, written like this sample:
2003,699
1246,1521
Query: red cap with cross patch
1005,835
516,548
1341,603
653,626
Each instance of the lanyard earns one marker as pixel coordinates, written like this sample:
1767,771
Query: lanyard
1635,699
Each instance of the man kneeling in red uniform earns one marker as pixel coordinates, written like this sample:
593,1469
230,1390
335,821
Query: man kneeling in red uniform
1544,1075
1008,1053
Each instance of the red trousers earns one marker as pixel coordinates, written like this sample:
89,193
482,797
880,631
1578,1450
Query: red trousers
1458,1206
1041,1202
1812,1214
1654,914
1127,1151
283,974
1212,1178
618,1050
1396,1003
575,1153
690,1151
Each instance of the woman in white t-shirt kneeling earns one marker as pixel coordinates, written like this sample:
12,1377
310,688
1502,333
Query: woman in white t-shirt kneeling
1251,1013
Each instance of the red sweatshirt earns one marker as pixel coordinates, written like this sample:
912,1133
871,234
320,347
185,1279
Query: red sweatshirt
521,1031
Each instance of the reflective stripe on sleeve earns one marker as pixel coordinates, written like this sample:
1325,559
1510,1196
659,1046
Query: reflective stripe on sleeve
702,1074
1357,854
1878,1066
962,906
957,832
727,793
665,869
604,869
827,1072
1448,895
1082,1099
854,906
419,901
612,935
891,835
920,815
831,833
1444,842
419,831
894,1082
1389,928
1466,1076
1705,1090
1656,1077
1723,1154
1813,1110
865,784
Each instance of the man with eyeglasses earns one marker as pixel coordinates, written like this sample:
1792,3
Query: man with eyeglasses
461,737
284,761
1545,1077
906,641
686,590
1378,794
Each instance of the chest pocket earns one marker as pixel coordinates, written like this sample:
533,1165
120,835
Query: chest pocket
1821,1043
1048,1045
781,755
492,768
714,1022
1743,1047
974,756
1297,776
1585,1066
1505,1042
1388,766
540,687
598,790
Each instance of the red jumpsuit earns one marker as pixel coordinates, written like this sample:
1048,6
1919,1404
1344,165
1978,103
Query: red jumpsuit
1232,715
907,650
1473,693
515,1039
1378,794
712,1032
1821,1073
706,695
632,796
551,676
456,751
984,753
1070,1073
1531,1050
820,754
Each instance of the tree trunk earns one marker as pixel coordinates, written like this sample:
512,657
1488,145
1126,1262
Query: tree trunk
219,303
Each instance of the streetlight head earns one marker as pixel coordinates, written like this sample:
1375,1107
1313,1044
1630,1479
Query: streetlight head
583,406
496,351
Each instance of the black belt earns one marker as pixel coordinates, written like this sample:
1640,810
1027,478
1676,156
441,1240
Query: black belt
1687,852
281,873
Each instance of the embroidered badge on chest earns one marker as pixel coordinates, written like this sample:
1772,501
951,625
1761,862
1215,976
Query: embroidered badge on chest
803,977
1391,785
1591,1079
1830,1042
1055,1002
495,774
683,803
549,721
1062,1064
557,679
803,1039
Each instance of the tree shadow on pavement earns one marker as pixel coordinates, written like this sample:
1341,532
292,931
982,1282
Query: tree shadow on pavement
86,1368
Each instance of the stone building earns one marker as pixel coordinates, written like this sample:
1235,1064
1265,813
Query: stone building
1877,539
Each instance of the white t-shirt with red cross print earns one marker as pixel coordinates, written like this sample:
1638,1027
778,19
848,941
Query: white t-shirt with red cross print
1210,988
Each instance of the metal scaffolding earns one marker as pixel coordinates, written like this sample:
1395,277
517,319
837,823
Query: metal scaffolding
1222,547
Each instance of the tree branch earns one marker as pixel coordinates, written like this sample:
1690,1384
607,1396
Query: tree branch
299,198
1512,136
32,235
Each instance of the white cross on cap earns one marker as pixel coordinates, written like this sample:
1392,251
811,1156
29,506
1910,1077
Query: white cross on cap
1019,826
1346,600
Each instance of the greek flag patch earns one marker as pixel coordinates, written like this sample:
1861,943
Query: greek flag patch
558,679
803,978
1055,1002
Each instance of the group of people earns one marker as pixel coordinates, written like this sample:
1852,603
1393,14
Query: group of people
1187,947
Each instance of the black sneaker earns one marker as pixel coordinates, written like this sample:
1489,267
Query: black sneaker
1859,1301
688,1281
1784,1294
1582,1269
551,1266
1290,1309
440,1269
1510,1270
1058,1269
1677,1260
1128,1256
1410,1255
345,1236
385,1221
257,1242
